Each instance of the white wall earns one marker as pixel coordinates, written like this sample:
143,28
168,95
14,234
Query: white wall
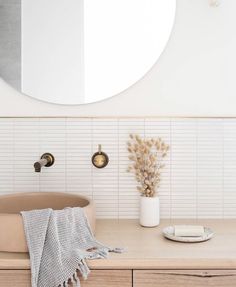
194,76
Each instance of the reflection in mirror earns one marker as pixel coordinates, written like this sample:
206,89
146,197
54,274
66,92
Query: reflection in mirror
74,51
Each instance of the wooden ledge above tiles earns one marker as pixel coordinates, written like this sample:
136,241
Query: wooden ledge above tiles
147,249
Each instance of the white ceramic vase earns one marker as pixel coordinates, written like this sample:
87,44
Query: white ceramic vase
149,213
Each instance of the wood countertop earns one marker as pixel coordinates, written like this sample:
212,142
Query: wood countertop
148,249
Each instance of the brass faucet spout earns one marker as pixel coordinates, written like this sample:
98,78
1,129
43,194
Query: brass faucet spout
47,160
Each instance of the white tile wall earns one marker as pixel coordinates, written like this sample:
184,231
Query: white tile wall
199,179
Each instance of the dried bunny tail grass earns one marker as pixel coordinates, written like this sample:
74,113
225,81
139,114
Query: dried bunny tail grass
146,156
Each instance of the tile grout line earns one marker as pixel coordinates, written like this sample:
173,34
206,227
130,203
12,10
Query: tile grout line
40,150
197,128
144,133
14,155
66,153
91,146
223,168
170,126
118,175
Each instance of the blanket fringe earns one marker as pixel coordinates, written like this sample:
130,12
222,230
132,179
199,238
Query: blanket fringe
117,250
83,267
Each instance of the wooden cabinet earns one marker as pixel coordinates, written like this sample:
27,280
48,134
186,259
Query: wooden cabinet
108,278
183,278
15,278
97,278
139,278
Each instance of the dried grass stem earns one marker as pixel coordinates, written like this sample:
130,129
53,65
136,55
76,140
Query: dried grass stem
146,156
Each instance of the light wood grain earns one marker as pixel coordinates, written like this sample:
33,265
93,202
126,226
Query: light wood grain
157,252
97,278
108,278
15,278
148,249
154,278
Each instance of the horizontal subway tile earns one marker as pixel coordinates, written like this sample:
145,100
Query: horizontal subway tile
198,180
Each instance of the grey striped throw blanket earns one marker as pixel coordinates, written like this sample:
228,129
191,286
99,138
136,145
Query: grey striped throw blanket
59,241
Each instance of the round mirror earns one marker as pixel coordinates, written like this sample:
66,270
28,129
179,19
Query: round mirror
75,51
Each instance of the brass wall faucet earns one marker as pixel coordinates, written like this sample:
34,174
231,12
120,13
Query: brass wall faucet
47,160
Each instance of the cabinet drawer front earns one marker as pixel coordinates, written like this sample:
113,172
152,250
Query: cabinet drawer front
13,278
97,278
183,278
108,278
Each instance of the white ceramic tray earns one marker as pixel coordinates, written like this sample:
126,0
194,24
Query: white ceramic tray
169,232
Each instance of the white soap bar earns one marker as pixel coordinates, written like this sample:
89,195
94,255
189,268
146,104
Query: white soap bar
189,230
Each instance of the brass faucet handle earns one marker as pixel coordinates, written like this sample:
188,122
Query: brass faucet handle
100,159
49,158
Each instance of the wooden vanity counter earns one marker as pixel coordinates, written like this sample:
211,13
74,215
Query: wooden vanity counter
148,249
